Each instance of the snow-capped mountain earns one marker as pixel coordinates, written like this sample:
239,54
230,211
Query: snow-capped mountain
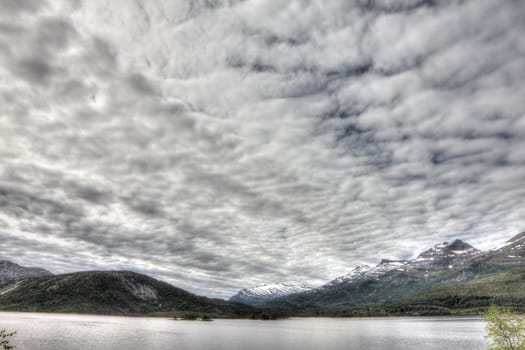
392,280
441,255
11,272
261,294
365,272
358,273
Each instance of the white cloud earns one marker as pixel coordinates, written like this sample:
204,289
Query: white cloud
220,144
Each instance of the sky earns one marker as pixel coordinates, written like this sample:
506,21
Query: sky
224,144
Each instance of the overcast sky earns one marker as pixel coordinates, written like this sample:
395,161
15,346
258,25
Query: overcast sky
222,144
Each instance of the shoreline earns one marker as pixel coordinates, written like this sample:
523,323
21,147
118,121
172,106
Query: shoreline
41,313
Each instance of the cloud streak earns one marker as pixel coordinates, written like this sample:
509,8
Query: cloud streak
223,144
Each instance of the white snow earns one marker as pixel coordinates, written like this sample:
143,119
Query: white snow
461,251
269,291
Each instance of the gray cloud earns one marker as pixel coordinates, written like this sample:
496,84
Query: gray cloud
223,144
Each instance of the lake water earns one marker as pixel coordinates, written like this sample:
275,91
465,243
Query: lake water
79,332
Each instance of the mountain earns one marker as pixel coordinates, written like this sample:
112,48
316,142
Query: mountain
11,272
505,288
392,281
441,255
449,278
259,295
111,292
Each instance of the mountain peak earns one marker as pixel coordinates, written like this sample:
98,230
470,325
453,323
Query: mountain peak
359,272
459,245
448,249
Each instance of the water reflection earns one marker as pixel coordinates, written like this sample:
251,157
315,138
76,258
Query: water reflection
78,332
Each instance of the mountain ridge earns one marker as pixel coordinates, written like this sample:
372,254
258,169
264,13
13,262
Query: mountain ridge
110,292
390,281
436,281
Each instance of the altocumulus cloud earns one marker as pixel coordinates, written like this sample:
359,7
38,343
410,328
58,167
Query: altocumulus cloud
219,144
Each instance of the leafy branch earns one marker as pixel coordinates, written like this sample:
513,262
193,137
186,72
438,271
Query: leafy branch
505,330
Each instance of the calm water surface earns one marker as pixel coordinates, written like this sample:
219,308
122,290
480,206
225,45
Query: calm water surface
75,332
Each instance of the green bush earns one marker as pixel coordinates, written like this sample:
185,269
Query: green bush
4,339
505,330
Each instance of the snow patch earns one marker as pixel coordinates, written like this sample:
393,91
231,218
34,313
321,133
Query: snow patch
141,291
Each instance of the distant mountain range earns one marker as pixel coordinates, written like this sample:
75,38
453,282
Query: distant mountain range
260,295
444,268
449,278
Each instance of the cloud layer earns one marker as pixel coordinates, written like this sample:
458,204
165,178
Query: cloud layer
220,144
